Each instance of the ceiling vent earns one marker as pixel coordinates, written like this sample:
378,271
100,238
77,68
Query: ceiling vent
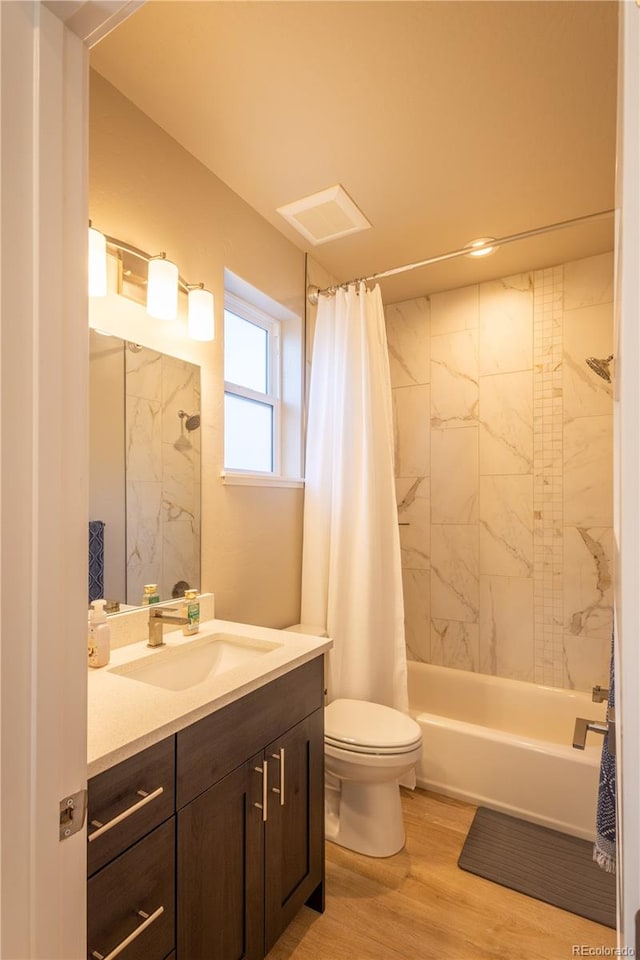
325,216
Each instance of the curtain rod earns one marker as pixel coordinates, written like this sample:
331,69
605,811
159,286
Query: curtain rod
313,292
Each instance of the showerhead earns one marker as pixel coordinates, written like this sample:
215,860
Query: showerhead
191,422
601,367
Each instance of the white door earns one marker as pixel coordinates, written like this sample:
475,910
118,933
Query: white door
43,469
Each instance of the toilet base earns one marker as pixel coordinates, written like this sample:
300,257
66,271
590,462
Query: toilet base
365,817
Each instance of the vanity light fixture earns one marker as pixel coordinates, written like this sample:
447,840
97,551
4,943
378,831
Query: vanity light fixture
482,247
162,282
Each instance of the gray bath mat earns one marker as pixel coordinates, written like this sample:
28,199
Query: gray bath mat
541,863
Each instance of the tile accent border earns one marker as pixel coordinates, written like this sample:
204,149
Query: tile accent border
547,476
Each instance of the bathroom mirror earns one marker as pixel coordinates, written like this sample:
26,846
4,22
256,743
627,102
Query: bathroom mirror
144,480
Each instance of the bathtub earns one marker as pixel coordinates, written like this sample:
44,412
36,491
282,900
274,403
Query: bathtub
506,744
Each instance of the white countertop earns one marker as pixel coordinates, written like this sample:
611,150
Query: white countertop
126,715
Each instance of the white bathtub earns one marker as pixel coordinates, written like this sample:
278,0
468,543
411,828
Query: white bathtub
505,744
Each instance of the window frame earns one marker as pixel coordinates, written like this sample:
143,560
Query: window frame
251,314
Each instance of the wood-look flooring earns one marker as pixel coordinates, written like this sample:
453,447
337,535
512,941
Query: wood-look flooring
419,905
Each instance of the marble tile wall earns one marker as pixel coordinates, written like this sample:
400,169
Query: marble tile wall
163,473
503,454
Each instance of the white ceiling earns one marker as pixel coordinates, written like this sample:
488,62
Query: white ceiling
444,121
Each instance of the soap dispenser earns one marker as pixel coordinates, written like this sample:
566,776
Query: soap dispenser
99,635
191,613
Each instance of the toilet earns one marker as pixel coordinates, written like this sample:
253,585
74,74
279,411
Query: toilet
368,749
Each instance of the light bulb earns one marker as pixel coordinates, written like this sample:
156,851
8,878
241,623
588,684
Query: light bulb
481,247
200,322
97,263
162,289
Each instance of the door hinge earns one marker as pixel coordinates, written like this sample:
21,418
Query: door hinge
73,809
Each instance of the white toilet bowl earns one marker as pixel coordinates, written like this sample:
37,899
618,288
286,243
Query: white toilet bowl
368,748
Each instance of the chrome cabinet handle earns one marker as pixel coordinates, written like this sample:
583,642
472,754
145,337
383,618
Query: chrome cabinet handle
280,790
147,920
263,806
103,827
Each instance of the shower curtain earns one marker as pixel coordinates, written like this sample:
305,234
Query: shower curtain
351,572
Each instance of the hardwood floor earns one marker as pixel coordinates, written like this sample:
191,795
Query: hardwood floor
419,905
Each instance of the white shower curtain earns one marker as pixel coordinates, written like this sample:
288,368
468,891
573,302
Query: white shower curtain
351,573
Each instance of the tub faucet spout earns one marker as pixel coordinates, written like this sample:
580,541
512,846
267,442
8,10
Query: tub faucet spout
583,725
158,616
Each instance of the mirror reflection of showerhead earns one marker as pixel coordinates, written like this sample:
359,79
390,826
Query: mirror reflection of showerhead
601,367
191,421
182,443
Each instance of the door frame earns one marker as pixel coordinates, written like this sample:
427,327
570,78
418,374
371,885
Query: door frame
627,470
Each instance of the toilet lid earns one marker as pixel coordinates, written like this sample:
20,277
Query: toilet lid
361,723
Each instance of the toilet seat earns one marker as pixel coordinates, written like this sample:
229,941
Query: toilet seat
371,751
369,728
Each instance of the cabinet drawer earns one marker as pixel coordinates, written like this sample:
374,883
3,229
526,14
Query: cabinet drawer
134,898
128,801
209,749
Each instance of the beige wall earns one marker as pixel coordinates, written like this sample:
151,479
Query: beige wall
504,474
147,190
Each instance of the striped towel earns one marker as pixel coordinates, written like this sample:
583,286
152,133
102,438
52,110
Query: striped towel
604,849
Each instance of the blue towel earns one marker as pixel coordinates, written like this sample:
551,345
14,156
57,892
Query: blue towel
604,849
96,559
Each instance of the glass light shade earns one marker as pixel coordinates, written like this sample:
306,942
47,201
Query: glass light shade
162,289
97,263
200,323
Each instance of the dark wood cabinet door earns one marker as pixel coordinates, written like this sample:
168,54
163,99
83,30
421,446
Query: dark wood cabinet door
294,831
220,880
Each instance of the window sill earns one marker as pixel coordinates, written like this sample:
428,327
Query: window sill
246,479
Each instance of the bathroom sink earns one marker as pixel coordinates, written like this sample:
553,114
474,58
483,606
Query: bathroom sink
184,666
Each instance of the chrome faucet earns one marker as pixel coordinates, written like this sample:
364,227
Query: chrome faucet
158,616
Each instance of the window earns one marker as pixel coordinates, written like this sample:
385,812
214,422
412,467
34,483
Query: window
263,388
252,376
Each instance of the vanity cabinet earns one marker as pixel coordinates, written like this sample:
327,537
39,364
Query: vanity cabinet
251,819
226,833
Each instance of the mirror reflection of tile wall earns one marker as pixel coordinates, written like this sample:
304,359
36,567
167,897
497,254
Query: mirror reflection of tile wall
162,471
504,474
